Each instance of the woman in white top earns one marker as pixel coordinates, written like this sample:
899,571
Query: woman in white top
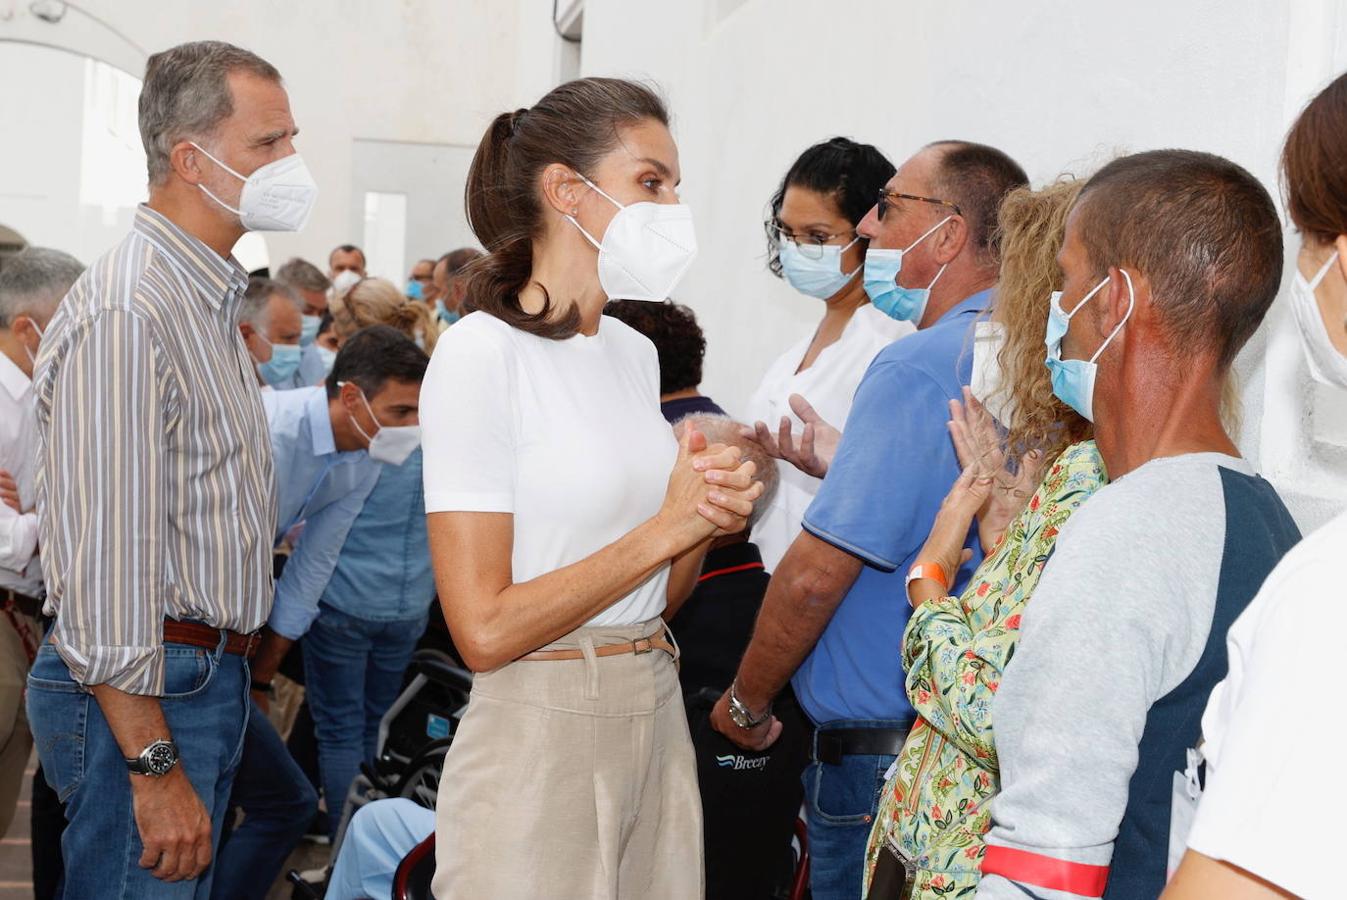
558,534
812,243
1269,823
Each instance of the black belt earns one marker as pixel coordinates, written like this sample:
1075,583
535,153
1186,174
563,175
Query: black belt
831,745
29,606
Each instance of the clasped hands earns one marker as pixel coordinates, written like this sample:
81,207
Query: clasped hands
711,490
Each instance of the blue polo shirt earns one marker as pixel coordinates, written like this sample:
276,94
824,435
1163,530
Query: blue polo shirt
893,469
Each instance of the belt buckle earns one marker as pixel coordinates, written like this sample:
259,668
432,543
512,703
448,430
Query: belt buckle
637,649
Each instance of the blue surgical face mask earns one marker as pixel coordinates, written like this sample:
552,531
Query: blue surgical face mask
822,277
881,281
329,359
1073,379
283,364
414,291
308,329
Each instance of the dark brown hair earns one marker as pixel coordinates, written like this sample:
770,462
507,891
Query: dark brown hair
1202,229
1314,170
977,178
678,339
575,124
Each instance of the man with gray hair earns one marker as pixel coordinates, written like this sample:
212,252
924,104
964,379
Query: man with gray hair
31,286
156,501
270,324
309,282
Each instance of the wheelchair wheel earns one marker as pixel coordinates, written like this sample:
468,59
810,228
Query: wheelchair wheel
420,781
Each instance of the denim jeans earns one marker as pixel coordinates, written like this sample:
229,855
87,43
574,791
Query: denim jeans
840,805
278,803
353,670
205,705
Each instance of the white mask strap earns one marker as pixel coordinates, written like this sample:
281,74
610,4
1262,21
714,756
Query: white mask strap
930,231
589,237
1131,304
216,161
1323,270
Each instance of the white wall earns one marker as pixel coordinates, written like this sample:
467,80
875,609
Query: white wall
397,93
1062,86
416,73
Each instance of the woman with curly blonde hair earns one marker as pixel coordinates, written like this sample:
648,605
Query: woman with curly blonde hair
375,301
933,811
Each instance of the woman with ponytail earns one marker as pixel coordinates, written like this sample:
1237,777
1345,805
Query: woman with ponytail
564,518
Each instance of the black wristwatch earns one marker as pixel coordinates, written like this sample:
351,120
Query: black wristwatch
157,760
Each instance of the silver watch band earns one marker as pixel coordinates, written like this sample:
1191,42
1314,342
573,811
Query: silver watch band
742,715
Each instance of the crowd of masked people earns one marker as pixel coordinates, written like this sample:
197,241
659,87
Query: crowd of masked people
977,585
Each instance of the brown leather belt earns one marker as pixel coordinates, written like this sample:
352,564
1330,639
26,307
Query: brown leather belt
29,606
656,641
198,634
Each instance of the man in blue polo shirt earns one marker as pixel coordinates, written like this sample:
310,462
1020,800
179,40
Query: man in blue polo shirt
835,610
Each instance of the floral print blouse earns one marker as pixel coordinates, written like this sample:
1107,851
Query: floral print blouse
934,804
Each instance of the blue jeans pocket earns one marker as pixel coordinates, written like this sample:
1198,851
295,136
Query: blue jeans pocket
58,710
843,794
187,671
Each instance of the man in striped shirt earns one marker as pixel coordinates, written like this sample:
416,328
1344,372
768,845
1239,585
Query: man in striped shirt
155,492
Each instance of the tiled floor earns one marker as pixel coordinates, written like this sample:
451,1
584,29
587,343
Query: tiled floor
16,871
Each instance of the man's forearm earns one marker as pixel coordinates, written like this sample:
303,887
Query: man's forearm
802,596
136,720
270,653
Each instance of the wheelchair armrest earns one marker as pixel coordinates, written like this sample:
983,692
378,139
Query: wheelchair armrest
440,668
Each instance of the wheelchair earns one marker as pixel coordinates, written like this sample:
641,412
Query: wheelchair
414,736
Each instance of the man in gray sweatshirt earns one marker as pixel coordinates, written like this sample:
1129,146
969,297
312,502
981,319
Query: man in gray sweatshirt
1170,261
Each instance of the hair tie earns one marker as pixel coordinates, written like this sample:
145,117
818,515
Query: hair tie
516,119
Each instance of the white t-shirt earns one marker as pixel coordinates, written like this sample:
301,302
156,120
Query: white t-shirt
829,384
566,435
1273,728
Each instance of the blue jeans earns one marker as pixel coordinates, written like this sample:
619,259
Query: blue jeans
205,705
353,670
841,802
278,803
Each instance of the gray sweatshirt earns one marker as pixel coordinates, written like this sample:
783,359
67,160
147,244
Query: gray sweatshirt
1116,632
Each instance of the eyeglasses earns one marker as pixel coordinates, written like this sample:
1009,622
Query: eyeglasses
886,198
811,245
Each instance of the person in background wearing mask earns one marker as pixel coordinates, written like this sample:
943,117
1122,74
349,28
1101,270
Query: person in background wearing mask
326,344
679,345
451,284
812,242
835,610
312,285
156,549
329,442
1263,829
346,258
933,810
374,608
1170,261
572,773
421,283
31,285
270,324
